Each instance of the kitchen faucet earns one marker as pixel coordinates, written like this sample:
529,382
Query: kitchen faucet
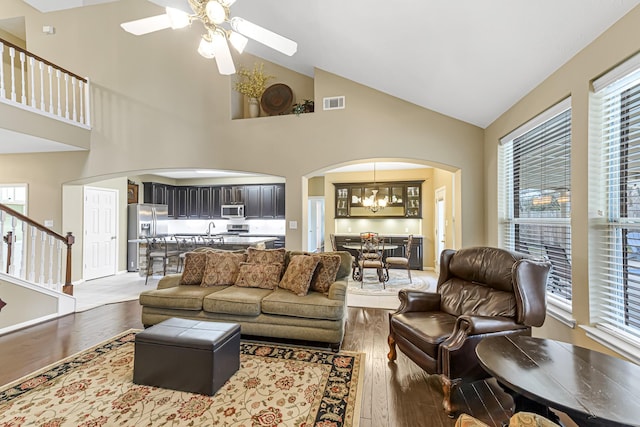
209,229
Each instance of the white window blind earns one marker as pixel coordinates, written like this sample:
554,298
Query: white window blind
535,193
615,229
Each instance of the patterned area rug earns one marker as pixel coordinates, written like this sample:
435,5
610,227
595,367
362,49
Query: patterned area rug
276,386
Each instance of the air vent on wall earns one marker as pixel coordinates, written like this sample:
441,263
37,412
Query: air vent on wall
333,103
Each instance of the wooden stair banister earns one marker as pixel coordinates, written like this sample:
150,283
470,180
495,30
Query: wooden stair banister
67,240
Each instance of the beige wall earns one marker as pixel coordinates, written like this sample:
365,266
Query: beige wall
574,78
158,105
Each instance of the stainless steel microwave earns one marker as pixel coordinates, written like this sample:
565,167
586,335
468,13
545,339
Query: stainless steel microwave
232,211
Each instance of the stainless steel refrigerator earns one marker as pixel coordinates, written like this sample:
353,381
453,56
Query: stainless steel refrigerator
144,220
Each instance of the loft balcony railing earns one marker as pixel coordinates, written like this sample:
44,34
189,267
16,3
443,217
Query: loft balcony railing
32,252
30,82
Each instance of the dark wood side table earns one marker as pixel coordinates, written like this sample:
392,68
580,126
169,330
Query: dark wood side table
593,388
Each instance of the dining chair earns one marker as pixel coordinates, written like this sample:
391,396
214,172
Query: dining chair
158,248
402,261
334,246
371,255
368,237
184,244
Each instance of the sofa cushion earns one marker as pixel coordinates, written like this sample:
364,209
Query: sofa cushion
314,305
179,297
297,277
234,300
222,268
326,272
194,265
265,276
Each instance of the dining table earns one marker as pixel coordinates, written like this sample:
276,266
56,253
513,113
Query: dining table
593,388
354,264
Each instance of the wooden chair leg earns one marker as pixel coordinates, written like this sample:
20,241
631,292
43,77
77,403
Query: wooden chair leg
392,355
409,272
149,269
449,387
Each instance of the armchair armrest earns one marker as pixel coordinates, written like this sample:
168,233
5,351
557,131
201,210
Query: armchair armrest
468,325
417,301
476,325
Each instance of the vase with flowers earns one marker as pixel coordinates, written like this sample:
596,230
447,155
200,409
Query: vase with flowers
252,84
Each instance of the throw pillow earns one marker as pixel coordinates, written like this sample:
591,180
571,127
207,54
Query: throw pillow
299,272
222,268
265,276
326,272
265,256
194,265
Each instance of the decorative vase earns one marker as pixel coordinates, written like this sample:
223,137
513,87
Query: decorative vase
254,108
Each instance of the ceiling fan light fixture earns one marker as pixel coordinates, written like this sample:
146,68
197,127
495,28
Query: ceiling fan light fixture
216,12
177,18
238,41
264,36
206,48
222,54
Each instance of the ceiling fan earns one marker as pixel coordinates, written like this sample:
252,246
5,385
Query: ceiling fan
221,29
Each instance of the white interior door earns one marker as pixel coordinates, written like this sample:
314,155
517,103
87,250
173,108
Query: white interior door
100,232
316,224
441,225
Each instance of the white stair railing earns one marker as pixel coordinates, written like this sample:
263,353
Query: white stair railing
62,94
37,255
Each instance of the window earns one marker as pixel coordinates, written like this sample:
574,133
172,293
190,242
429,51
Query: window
535,194
615,203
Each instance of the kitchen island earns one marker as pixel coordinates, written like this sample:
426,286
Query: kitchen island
192,241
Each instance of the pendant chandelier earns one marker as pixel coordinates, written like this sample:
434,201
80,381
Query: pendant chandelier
373,202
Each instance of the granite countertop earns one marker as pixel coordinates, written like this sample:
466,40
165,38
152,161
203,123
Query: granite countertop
381,234
227,239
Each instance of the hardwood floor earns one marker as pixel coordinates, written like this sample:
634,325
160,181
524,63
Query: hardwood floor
395,394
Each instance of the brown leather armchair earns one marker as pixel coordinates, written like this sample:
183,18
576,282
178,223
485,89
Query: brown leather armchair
481,292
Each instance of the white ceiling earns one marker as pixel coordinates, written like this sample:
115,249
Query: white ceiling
468,59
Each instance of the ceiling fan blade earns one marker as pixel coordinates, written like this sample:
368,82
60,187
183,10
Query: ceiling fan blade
147,25
182,5
264,36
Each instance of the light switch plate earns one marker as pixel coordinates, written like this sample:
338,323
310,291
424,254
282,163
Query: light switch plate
293,225
48,223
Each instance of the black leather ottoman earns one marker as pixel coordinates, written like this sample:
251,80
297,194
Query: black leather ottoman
187,355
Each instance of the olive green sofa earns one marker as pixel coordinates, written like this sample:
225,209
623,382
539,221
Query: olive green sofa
277,313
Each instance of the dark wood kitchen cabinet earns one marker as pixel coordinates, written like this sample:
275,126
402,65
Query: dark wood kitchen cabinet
280,201
205,202
264,201
155,193
171,201
252,204
181,202
193,202
233,194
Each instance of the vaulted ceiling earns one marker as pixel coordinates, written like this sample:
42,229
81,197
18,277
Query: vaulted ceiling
468,59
